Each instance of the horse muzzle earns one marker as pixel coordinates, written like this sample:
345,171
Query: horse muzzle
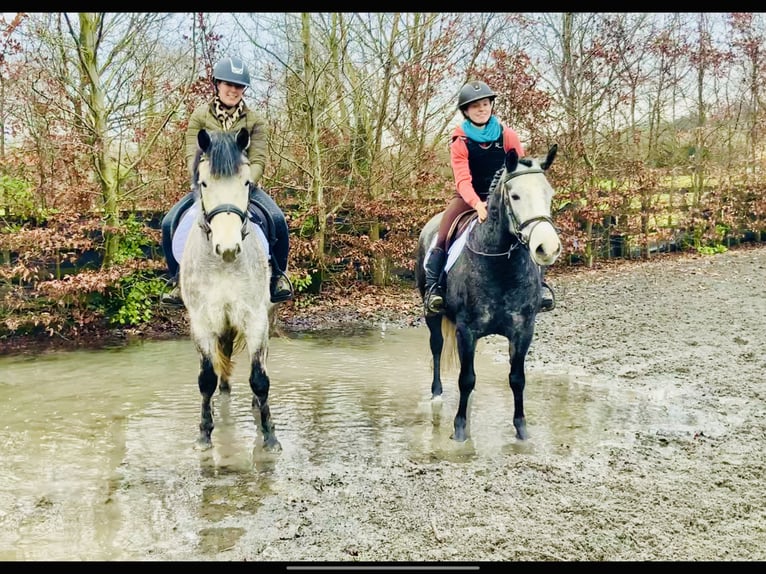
226,228
544,243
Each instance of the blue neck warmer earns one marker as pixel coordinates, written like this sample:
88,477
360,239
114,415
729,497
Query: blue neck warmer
490,133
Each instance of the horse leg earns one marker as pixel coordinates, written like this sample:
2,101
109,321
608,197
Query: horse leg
227,347
517,381
466,348
259,383
436,341
207,381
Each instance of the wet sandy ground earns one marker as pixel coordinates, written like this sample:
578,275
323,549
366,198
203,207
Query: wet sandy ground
645,406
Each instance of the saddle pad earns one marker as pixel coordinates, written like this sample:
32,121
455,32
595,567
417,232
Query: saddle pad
189,218
454,251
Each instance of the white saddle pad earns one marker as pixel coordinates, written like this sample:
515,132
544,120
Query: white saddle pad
189,218
454,251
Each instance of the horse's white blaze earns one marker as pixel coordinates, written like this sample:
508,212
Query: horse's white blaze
530,197
225,228
226,235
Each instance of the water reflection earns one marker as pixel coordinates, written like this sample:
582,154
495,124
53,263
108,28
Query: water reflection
99,460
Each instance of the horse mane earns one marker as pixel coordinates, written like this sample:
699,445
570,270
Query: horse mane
501,171
496,179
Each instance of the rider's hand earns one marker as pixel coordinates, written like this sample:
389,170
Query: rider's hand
481,209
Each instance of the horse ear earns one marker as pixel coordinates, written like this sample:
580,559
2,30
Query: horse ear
203,139
511,160
243,139
551,155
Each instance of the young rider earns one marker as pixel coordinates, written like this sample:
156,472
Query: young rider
477,150
227,111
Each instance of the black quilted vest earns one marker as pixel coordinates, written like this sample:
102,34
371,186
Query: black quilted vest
484,159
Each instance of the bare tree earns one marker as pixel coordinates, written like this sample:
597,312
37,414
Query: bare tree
108,76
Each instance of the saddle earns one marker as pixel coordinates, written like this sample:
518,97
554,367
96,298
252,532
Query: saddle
459,225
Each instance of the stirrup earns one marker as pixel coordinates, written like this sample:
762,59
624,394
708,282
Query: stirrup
279,295
433,302
548,304
172,298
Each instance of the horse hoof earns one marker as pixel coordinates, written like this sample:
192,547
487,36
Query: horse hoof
204,442
521,430
272,445
460,436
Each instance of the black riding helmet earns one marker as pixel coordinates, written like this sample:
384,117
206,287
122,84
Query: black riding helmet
473,91
232,70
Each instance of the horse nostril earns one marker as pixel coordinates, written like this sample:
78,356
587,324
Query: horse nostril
230,254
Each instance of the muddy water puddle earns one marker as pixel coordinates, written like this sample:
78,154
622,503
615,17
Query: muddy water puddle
98,458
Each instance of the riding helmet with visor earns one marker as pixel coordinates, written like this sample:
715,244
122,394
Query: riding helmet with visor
474,91
232,70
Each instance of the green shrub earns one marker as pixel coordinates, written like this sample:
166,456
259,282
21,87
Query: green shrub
131,302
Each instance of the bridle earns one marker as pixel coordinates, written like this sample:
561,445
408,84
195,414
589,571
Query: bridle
516,226
207,216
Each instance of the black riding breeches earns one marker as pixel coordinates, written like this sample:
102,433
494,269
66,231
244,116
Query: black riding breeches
276,228
278,236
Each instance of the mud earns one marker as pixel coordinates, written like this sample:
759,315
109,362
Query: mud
685,335
669,358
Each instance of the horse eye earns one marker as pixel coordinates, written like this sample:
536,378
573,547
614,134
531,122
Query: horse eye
515,196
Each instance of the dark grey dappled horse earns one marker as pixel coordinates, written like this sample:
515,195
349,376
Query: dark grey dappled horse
224,278
494,285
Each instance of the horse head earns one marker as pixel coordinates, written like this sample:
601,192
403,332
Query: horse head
222,182
526,197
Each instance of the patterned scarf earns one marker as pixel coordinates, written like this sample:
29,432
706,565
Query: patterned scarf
228,116
490,133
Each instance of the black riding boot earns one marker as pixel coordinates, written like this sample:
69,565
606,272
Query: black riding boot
548,301
434,292
280,287
173,297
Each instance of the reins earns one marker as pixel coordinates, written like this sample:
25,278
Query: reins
223,208
518,226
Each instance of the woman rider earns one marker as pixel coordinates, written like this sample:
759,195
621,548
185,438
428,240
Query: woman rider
227,111
477,150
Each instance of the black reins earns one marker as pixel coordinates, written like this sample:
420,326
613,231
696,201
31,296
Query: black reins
207,216
518,226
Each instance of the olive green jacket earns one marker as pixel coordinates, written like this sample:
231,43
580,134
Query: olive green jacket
203,117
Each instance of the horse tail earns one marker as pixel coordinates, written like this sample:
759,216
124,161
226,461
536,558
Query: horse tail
222,362
226,346
449,358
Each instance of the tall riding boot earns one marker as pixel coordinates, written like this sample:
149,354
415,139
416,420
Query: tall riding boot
434,292
280,287
173,297
548,301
